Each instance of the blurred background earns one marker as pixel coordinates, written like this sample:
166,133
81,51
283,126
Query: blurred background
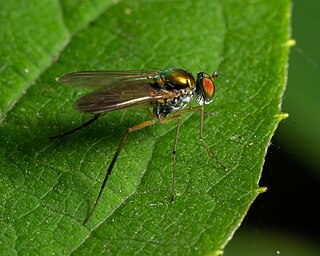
285,219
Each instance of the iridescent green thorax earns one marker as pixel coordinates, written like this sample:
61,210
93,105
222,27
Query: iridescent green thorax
175,78
179,87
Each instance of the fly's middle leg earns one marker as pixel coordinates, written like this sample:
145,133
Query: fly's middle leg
174,168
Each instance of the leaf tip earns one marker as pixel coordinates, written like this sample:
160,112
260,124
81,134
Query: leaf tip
262,190
282,116
291,42
218,252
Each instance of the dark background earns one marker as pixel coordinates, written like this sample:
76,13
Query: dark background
285,219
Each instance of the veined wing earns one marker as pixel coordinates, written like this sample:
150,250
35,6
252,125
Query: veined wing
105,78
124,94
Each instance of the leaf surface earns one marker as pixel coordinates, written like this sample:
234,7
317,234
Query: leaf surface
48,187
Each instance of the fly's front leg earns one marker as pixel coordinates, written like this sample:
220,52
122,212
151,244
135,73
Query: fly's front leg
108,173
203,143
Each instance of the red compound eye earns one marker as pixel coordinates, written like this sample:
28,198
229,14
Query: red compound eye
208,89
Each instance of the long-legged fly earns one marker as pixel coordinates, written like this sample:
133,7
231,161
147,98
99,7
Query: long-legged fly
167,92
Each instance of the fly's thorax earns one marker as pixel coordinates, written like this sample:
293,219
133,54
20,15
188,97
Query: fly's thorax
178,78
205,88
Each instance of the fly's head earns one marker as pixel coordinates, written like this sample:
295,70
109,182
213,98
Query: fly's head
205,87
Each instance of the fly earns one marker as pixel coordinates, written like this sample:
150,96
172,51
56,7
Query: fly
167,93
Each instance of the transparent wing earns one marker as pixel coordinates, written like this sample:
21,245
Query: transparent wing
123,94
105,78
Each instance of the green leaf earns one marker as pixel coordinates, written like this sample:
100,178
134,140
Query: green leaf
27,48
48,187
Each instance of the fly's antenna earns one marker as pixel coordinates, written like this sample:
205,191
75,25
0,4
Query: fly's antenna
216,74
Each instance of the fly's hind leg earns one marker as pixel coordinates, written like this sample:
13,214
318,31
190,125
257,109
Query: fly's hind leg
95,118
115,157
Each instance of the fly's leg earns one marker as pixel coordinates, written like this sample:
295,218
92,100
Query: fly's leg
108,173
177,116
166,120
95,117
203,143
